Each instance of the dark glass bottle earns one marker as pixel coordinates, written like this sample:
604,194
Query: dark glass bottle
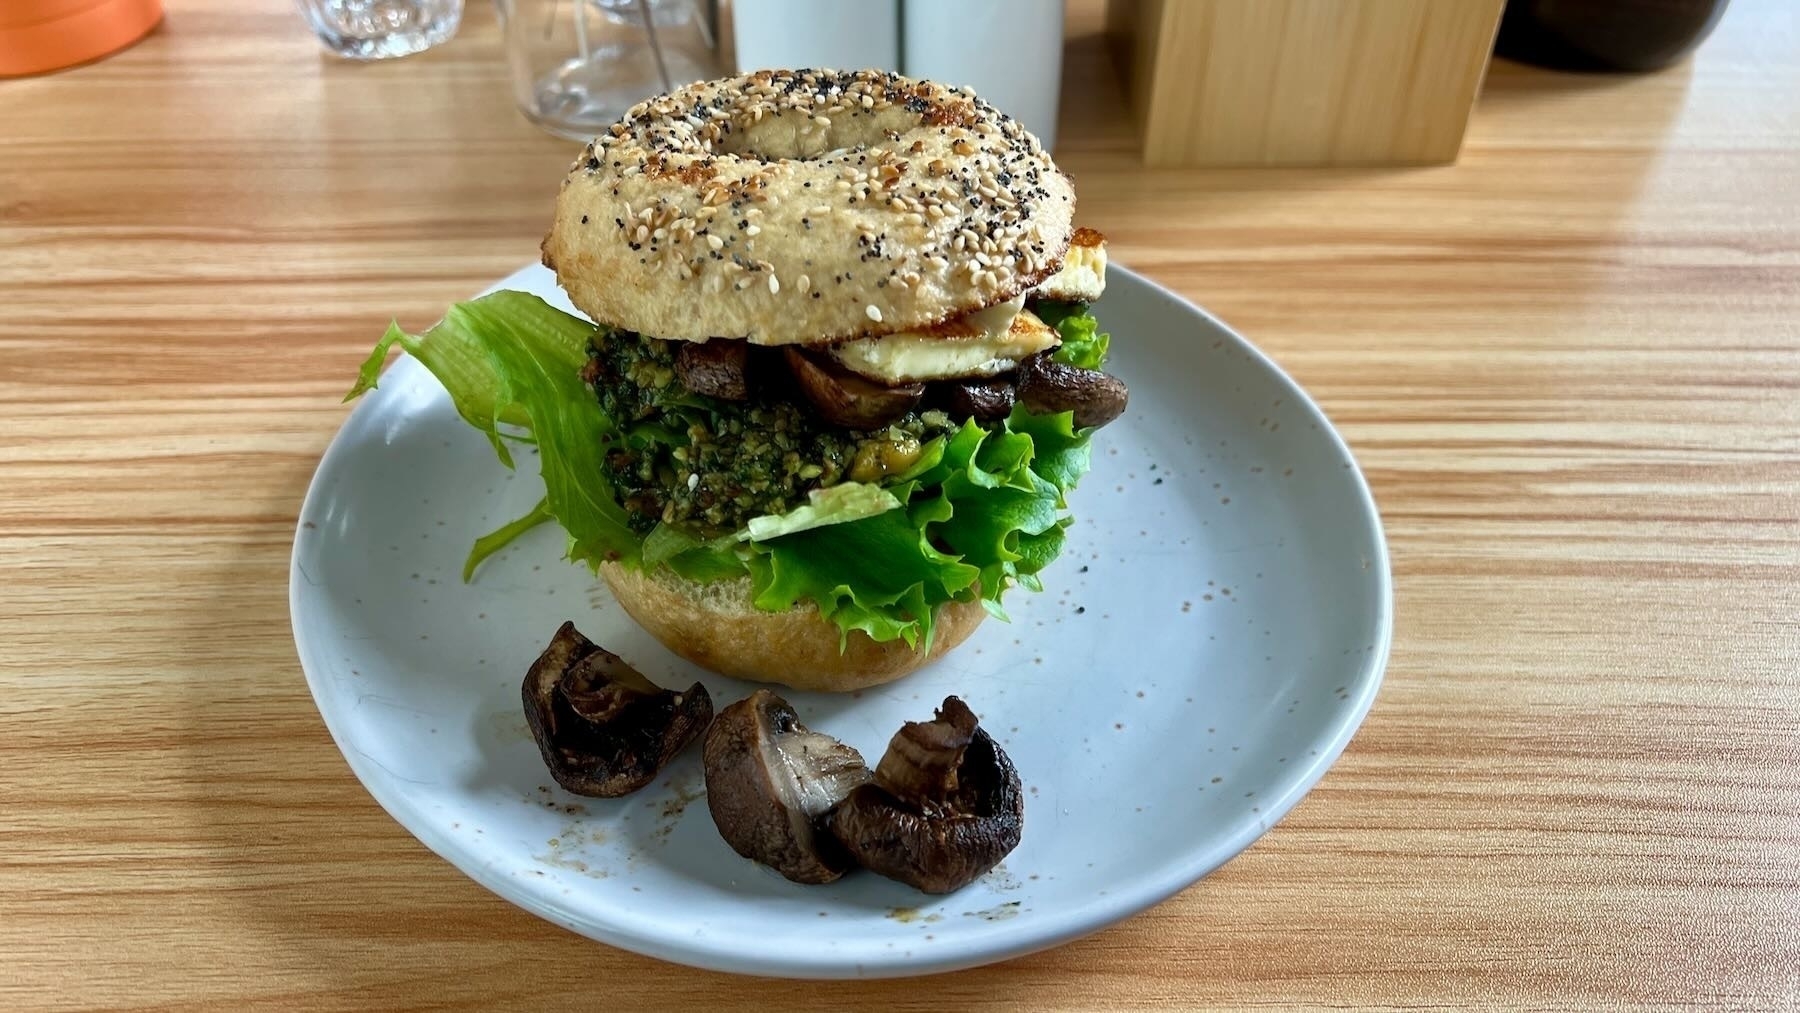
1605,34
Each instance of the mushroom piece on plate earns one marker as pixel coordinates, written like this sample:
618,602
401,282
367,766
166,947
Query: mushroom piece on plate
603,729
944,807
770,780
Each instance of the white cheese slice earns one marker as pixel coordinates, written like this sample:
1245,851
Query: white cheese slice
1083,274
982,343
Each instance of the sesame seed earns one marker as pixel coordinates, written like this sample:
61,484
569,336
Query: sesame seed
874,312
774,285
963,187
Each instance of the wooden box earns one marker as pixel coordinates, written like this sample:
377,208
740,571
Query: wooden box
1302,82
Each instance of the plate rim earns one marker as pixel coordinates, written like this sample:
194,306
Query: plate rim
1009,941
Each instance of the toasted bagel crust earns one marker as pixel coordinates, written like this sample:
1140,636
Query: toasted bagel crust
792,207
716,627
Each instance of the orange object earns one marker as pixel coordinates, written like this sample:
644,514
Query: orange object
41,35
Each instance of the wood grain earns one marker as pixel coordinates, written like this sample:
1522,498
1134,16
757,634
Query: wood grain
1570,365
1303,82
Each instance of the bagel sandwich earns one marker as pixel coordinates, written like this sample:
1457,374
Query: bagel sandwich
836,375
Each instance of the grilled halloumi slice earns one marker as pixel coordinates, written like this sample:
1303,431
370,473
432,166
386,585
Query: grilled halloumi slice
982,343
1083,274
986,342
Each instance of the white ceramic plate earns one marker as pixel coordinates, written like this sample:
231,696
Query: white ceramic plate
1204,649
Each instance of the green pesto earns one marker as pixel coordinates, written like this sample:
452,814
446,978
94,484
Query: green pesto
710,465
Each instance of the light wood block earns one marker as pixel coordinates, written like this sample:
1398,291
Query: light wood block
1303,82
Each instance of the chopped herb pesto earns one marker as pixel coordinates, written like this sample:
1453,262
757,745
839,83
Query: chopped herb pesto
711,465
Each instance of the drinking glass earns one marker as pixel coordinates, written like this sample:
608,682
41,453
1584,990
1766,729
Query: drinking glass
379,29
578,65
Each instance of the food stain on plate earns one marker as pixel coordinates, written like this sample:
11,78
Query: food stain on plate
508,725
910,915
570,849
1000,880
685,790
997,913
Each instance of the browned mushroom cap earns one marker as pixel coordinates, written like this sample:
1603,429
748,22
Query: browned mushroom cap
715,368
945,805
843,398
1047,386
768,781
981,399
604,729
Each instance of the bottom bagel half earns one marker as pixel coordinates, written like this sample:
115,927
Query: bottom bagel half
716,627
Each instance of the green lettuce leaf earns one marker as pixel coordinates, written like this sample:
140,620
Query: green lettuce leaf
665,542
880,575
1055,311
502,536
846,501
1059,453
705,564
1083,343
511,359
985,509
698,561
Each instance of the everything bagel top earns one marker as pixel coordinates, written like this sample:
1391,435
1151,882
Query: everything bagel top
798,207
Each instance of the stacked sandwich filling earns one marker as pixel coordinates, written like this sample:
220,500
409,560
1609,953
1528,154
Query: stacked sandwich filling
721,432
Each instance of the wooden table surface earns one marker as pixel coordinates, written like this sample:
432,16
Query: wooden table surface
1570,366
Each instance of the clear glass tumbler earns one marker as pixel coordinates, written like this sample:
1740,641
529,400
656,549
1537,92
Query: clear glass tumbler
380,29
578,65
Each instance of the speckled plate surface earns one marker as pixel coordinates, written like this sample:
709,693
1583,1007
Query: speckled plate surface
1208,643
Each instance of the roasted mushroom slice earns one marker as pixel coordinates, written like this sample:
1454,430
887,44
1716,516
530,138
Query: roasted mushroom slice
983,400
945,805
769,779
1047,386
715,368
848,400
604,729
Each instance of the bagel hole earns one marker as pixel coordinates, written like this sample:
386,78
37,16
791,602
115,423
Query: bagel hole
796,136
